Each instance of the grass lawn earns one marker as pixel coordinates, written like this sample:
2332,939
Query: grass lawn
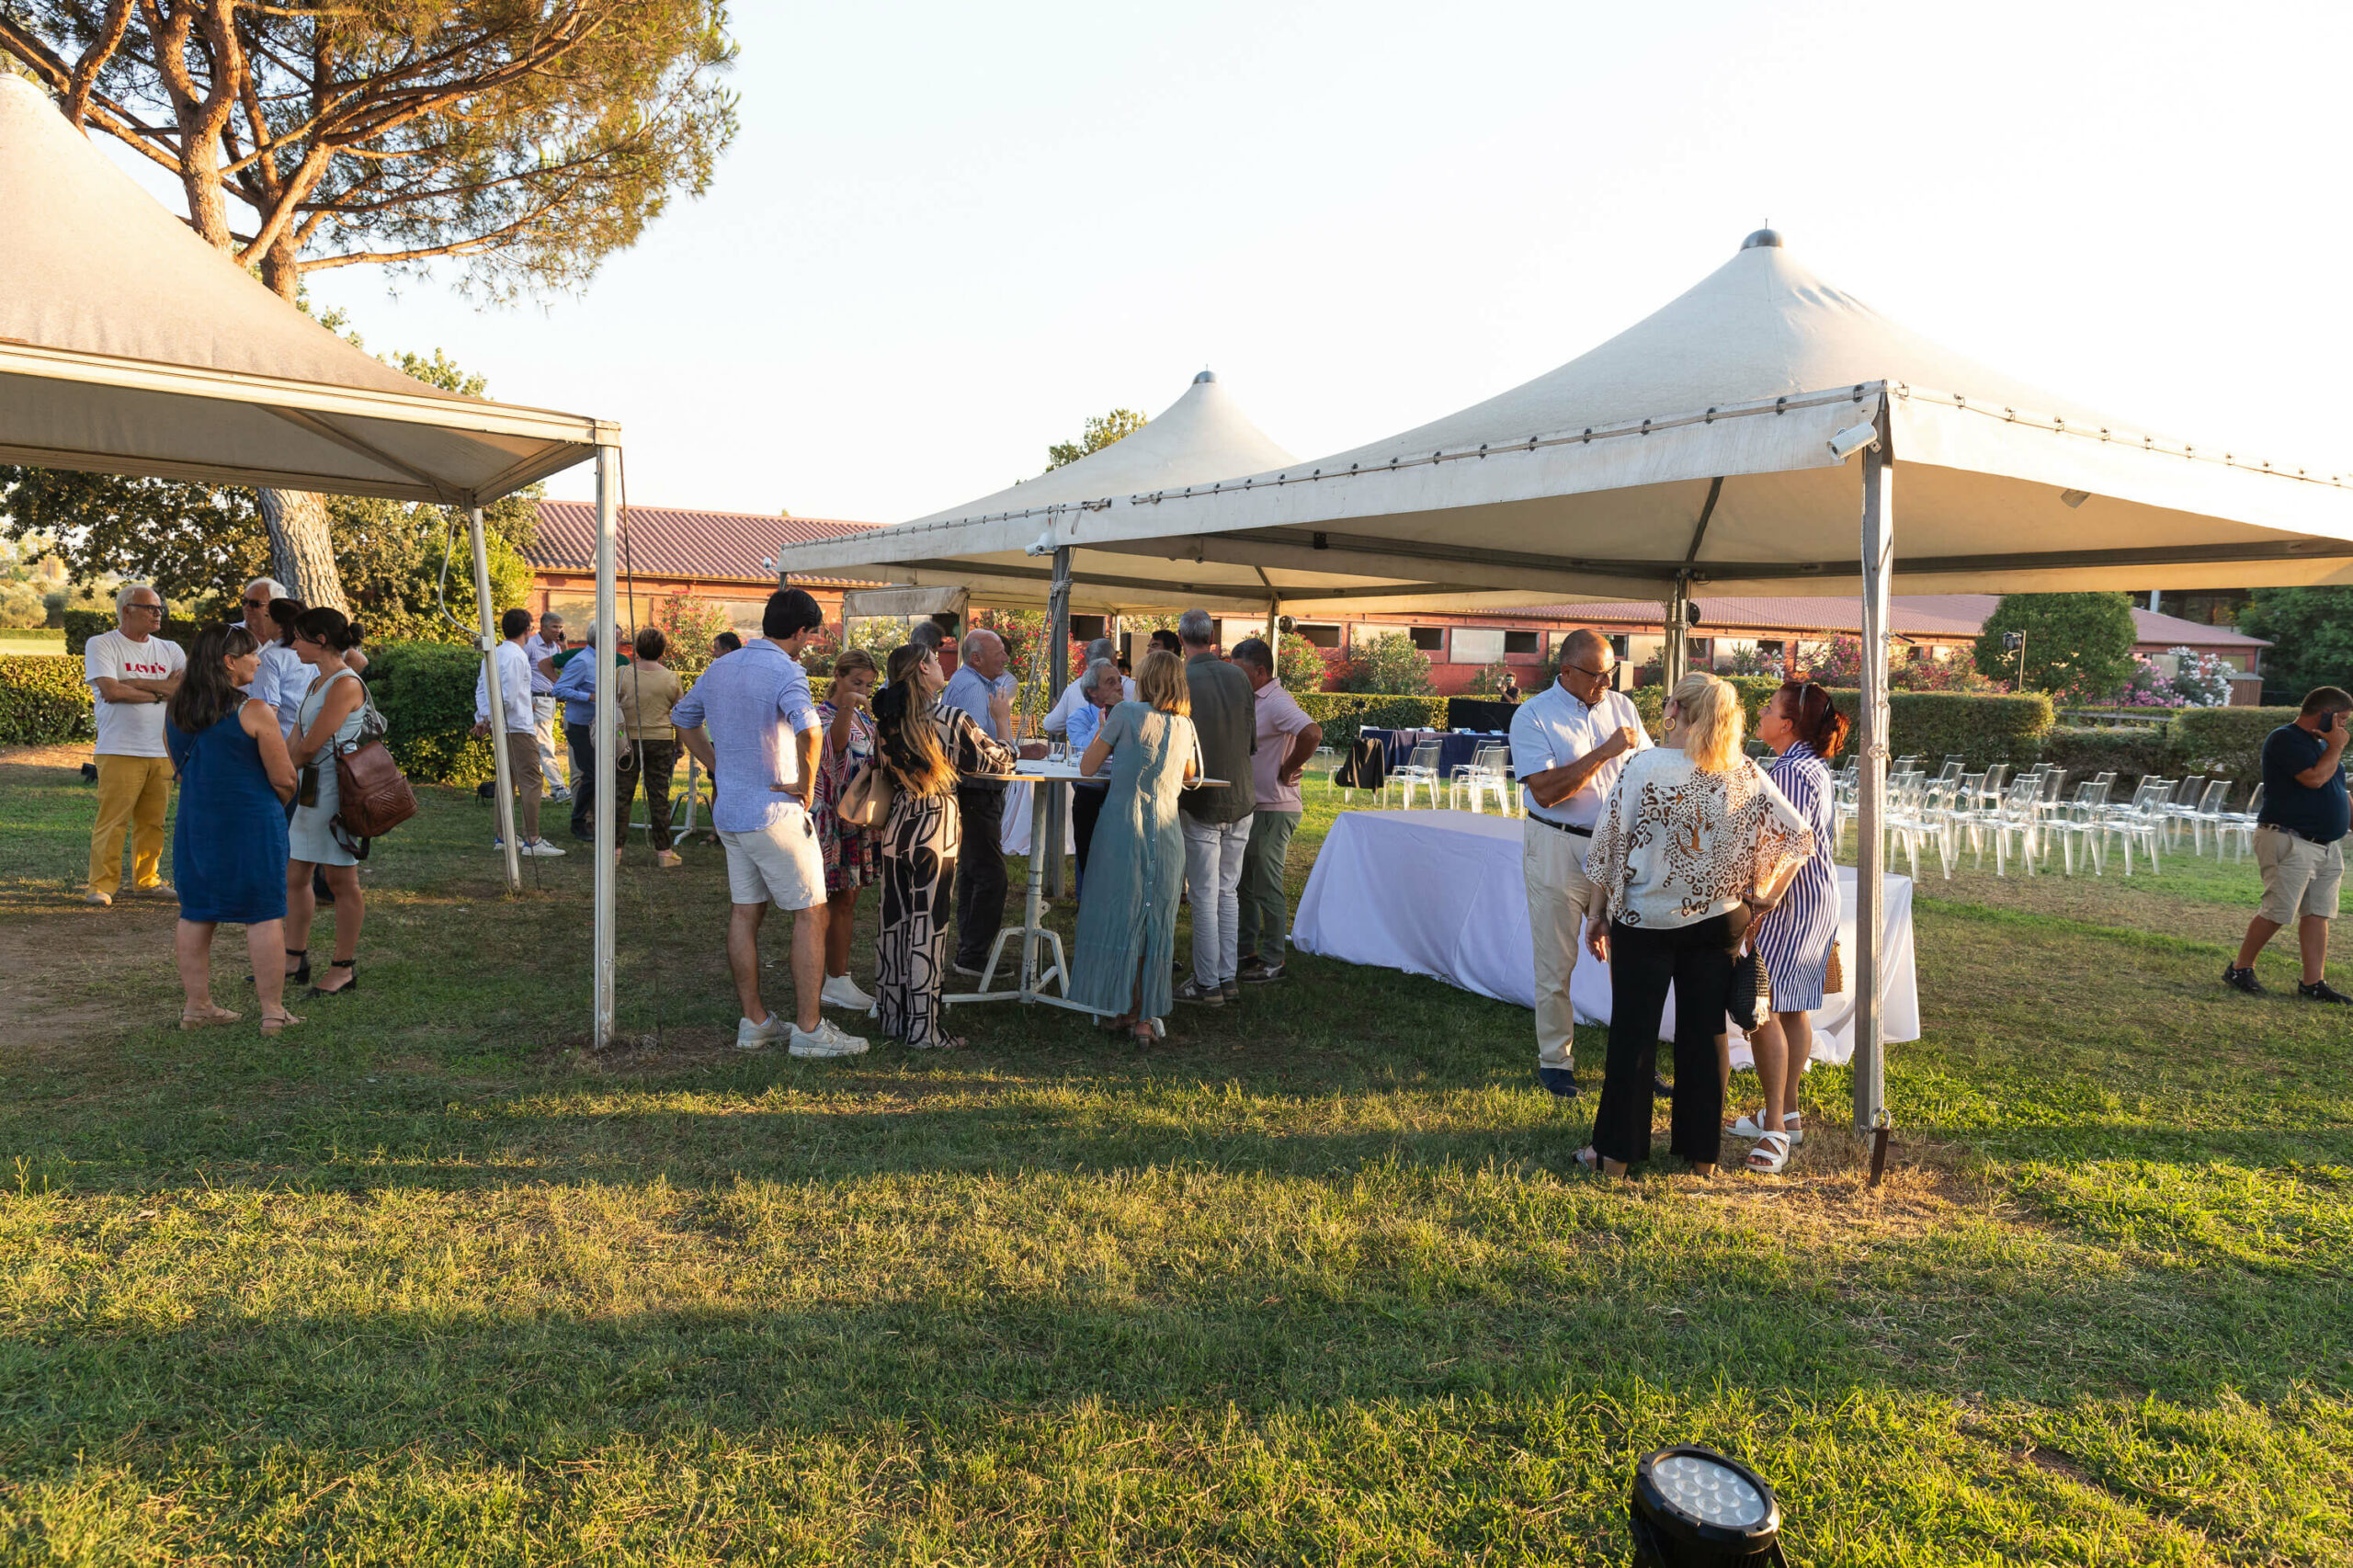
1313,1282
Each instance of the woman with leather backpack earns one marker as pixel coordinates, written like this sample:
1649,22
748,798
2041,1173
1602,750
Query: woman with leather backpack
330,719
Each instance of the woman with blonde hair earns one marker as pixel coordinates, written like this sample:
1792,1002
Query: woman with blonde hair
924,749
1135,868
1693,843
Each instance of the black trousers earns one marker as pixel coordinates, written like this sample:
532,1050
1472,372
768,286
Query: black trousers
980,872
655,760
582,738
1086,805
1644,961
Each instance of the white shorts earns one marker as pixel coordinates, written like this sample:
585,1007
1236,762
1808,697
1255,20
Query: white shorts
780,864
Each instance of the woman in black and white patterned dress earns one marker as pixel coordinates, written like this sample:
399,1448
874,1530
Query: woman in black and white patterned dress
924,748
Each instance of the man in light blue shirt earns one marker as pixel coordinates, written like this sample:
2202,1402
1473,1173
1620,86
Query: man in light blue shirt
575,689
751,720
1569,743
982,688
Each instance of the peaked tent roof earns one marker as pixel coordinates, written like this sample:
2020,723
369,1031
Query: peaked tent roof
127,345
1199,438
1697,441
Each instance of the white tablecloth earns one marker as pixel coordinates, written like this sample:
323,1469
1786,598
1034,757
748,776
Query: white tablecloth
1441,893
1015,834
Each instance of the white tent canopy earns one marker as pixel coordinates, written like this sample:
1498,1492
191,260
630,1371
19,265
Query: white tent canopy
1708,444
988,546
1595,479
129,345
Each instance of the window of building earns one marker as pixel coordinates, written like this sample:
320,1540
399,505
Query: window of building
1476,645
1428,639
1317,635
1087,628
1519,645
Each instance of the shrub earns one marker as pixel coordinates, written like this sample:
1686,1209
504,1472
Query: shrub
2311,636
2225,742
1302,666
1342,714
2124,749
425,691
1388,665
43,701
1489,681
1930,724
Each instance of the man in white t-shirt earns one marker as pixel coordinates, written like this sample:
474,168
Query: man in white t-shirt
132,673
1569,743
540,650
513,728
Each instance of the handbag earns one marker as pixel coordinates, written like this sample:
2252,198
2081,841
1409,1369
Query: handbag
1750,1000
373,795
1834,973
865,800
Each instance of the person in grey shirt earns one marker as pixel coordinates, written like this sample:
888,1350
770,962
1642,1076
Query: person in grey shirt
1216,818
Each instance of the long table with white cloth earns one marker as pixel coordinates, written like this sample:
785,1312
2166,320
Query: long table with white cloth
1441,893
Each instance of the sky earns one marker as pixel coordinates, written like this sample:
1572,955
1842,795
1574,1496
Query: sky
947,234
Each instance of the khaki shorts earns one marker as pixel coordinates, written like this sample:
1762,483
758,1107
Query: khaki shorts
2300,878
780,864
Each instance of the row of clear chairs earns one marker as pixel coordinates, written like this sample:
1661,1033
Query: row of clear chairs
1488,776
2030,818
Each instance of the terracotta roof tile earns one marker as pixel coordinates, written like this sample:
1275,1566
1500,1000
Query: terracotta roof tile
677,541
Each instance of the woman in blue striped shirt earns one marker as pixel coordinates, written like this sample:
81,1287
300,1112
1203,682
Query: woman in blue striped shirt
1795,936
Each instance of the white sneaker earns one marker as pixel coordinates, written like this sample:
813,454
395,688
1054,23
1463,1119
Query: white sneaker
841,991
540,848
825,1041
750,1036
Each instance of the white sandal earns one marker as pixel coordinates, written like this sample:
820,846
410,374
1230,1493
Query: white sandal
1771,1155
1748,1127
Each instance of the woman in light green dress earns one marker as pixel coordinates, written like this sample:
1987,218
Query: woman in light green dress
1135,868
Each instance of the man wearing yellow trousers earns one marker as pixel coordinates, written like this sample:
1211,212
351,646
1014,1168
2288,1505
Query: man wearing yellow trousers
132,673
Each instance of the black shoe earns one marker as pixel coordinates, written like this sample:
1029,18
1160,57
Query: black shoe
1661,1089
351,964
300,973
1561,1081
585,835
2239,979
2320,990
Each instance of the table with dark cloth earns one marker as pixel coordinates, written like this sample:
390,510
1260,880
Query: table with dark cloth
1455,747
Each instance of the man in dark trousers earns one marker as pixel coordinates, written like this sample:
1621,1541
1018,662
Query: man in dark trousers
2299,841
1216,818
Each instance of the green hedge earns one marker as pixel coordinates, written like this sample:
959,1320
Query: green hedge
2226,741
43,701
2094,748
1932,724
1343,713
425,691
31,640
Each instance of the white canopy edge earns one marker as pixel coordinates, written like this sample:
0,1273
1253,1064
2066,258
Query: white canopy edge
910,601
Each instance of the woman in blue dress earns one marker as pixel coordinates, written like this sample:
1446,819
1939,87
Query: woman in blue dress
327,722
1135,868
1795,936
229,843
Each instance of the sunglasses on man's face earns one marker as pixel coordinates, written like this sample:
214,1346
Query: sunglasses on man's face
257,603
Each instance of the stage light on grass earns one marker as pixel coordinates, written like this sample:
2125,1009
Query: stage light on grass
1692,1508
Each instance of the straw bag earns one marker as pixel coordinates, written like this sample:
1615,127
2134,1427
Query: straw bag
865,800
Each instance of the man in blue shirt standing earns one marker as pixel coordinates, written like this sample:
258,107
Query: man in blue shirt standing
2299,841
751,720
575,687
982,688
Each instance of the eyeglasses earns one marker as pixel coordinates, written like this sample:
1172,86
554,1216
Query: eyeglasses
1594,674
157,607
257,603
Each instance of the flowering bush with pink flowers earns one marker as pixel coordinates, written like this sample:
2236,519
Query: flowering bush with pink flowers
2197,680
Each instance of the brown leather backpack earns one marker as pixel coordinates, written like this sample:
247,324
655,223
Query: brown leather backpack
373,795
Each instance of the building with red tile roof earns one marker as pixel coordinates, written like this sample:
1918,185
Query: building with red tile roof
715,556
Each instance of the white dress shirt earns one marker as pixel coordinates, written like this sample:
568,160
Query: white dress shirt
1553,728
513,691
1073,698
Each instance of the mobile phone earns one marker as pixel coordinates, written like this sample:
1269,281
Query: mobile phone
2327,722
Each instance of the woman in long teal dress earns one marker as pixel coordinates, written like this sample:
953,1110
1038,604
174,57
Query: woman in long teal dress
1135,868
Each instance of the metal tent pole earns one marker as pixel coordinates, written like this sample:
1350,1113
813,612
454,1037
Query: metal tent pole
608,504
1058,662
1871,850
1675,659
503,782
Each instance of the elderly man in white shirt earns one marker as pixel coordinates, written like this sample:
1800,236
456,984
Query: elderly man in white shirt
1569,743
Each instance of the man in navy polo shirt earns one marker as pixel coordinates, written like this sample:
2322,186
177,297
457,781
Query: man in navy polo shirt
2299,841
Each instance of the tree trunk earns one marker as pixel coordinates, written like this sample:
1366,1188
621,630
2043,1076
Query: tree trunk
301,554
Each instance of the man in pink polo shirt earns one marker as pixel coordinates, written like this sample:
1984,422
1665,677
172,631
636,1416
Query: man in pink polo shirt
1286,737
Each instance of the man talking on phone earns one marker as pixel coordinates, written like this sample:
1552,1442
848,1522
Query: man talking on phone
2299,841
